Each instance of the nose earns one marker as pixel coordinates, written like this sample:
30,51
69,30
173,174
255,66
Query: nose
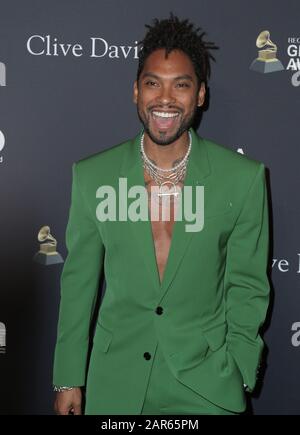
166,95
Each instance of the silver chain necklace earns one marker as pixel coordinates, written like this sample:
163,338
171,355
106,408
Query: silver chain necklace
166,176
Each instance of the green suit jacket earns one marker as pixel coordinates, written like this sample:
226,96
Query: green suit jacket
213,297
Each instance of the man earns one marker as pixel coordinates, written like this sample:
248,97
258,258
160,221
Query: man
178,327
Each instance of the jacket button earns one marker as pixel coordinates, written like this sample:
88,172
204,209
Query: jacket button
159,310
147,355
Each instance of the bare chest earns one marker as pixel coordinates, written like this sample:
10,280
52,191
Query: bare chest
161,214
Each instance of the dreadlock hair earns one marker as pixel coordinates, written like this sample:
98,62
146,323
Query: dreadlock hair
171,34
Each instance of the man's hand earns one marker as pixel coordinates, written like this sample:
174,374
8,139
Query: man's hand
67,402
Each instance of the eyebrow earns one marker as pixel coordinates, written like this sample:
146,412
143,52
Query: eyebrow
182,77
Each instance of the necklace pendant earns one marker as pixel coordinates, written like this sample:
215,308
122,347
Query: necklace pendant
168,194
164,193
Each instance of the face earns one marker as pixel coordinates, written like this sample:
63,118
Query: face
167,95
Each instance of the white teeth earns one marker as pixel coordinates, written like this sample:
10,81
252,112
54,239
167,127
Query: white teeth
165,114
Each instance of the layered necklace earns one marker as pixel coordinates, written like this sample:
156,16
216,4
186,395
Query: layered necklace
166,176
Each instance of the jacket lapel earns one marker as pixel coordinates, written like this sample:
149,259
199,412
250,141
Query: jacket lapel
198,168
141,231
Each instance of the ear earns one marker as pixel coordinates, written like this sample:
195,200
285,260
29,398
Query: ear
135,92
201,94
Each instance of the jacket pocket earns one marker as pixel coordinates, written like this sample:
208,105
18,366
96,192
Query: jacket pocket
102,337
209,340
216,336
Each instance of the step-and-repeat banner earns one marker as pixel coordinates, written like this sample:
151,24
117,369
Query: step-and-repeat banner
66,78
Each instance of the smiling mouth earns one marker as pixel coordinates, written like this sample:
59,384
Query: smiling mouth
164,120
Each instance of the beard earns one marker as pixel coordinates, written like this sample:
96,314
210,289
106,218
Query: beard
185,124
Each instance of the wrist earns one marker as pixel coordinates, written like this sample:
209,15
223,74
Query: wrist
60,389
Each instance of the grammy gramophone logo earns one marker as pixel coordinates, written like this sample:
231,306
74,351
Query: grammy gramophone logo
47,254
266,62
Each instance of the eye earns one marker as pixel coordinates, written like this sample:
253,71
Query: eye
183,85
151,83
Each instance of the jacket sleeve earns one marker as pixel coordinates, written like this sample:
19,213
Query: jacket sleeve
246,281
78,288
